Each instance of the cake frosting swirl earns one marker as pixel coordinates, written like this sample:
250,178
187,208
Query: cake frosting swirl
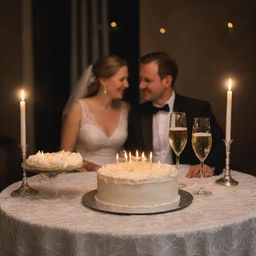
137,172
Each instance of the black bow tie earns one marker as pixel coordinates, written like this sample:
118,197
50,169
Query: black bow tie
163,108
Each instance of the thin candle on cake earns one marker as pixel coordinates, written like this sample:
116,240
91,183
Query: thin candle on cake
229,110
143,158
125,156
137,155
130,156
23,123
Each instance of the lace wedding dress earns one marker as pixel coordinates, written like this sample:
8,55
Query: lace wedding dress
93,143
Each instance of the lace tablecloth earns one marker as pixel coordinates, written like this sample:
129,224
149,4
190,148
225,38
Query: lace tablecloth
56,223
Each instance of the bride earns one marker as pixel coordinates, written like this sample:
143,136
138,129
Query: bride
96,118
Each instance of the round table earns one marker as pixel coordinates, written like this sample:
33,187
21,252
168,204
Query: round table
55,222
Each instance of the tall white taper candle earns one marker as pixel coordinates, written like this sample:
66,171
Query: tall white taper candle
23,123
229,111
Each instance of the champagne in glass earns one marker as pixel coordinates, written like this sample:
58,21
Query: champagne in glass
178,139
178,136
201,143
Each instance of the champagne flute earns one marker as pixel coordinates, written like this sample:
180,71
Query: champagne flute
201,143
178,137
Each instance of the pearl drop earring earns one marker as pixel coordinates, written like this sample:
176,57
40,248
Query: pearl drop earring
105,90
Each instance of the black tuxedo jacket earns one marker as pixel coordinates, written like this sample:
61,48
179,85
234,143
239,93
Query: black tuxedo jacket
140,131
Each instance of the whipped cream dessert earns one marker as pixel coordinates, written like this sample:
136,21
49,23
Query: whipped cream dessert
62,160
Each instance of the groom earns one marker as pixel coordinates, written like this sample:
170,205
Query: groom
148,124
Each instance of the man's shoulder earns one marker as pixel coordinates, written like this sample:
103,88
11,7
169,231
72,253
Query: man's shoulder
188,100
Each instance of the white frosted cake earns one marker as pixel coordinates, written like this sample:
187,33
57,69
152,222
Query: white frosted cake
137,184
62,160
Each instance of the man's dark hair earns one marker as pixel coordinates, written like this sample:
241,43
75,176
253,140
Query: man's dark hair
166,64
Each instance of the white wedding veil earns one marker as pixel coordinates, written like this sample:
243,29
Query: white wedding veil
80,90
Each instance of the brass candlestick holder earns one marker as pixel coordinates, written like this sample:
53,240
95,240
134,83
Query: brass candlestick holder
227,180
24,189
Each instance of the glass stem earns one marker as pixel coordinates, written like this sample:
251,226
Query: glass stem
24,177
201,169
178,166
178,162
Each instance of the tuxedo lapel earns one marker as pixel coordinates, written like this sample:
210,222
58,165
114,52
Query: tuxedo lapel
181,105
178,105
147,126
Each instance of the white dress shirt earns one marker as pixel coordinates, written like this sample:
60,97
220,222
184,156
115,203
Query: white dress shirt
161,145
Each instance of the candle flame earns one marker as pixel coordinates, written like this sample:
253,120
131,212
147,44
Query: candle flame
229,84
22,95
